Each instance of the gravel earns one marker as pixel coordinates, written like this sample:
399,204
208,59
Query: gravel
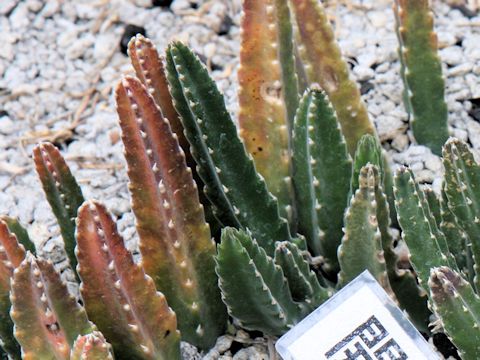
60,60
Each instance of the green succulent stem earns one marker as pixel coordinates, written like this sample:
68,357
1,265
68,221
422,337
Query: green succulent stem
238,193
459,308
369,151
321,175
361,246
62,191
459,244
253,286
462,184
426,242
424,93
302,281
20,232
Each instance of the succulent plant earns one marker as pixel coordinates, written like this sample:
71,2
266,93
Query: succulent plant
321,179
270,86
458,307
253,286
62,191
11,255
245,251
175,241
42,320
49,322
443,243
421,71
92,346
299,217
220,154
322,171
47,318
118,296
323,64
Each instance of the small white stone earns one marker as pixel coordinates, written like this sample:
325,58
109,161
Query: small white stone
7,126
104,44
50,8
363,73
7,5
79,47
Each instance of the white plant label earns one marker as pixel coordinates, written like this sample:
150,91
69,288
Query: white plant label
360,322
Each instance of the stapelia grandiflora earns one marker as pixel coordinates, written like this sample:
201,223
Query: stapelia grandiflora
119,297
175,241
47,318
62,191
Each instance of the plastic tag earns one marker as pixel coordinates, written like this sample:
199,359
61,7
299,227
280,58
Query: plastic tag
359,322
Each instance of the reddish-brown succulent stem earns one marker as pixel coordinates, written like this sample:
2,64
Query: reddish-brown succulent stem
119,297
150,71
175,242
47,318
324,65
11,255
268,93
91,347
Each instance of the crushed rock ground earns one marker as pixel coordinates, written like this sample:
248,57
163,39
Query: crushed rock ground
60,60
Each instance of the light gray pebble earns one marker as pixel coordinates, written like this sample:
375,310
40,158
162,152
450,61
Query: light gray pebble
452,55
7,203
7,125
67,37
143,3
178,6
446,38
460,134
226,356
400,142
223,343
425,176
460,69
189,352
4,181
103,45
433,163
388,127
34,5
255,352
6,6
7,39
363,73
19,18
42,211
78,47
473,129
118,206
51,7
383,67
86,10
416,166
378,19
367,59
